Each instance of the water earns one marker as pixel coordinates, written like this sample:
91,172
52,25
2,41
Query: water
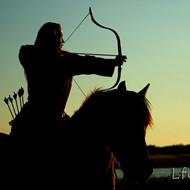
174,173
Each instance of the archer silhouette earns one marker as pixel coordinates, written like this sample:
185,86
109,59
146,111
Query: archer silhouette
49,72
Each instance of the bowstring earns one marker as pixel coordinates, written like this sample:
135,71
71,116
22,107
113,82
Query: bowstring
75,29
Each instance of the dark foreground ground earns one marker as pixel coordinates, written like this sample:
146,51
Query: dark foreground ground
159,184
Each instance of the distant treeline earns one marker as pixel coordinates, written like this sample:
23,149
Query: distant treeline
174,149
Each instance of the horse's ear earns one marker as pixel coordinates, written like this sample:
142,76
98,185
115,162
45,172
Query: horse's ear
144,90
122,86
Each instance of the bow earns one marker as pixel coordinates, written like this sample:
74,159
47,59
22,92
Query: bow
118,45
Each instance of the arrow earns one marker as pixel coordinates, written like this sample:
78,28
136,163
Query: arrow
6,100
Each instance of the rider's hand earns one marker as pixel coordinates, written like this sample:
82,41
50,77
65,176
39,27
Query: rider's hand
119,60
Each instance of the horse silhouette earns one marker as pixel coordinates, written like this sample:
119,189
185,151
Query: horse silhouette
106,133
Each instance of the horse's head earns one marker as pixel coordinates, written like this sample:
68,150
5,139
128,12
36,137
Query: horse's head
133,116
119,119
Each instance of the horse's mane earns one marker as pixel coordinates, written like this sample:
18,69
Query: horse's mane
90,103
102,101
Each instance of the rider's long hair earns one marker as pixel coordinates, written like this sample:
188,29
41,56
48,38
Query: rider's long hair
46,37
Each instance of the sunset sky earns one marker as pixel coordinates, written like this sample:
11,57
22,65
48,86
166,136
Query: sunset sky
155,36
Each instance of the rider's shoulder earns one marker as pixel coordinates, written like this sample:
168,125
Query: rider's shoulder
26,48
25,52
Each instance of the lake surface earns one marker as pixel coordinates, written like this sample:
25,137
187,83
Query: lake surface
173,173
